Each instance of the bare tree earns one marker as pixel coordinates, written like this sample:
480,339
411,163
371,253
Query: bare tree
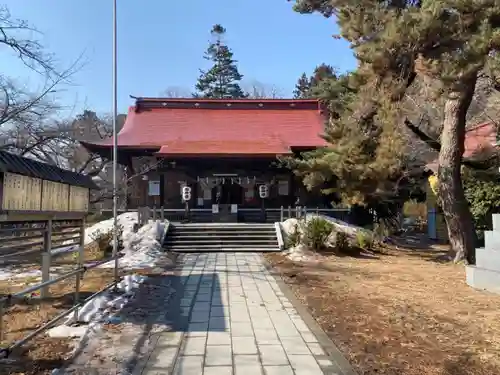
28,123
259,90
176,92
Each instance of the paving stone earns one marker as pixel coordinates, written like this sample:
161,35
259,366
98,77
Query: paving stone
189,365
242,329
198,327
305,365
218,370
315,348
244,345
278,370
194,346
272,355
266,337
219,338
309,337
246,360
218,355
294,345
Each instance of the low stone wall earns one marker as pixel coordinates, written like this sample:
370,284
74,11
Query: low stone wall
485,274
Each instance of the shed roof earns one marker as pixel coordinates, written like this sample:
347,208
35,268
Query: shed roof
28,167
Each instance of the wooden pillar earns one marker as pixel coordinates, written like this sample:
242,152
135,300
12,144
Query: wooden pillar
162,188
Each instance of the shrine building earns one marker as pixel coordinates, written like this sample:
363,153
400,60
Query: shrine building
222,149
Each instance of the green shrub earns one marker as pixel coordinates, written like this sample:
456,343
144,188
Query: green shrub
365,240
342,241
316,233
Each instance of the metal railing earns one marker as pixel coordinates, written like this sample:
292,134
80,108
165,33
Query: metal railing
269,215
45,240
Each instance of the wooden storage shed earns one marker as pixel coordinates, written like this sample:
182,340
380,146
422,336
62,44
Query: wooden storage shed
28,186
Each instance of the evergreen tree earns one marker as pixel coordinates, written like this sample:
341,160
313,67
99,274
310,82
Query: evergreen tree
447,42
302,87
306,87
222,80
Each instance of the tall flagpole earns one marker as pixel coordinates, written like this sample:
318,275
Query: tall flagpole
115,149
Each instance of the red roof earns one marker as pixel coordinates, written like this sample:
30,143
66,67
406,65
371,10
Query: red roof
221,127
480,138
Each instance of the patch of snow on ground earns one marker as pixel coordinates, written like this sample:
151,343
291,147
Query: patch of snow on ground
126,221
10,272
98,309
300,252
140,249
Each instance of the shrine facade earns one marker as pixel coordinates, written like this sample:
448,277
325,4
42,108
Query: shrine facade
223,150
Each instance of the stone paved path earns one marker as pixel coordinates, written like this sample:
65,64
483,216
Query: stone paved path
241,323
220,314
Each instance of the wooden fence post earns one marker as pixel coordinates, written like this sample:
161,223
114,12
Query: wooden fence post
47,247
289,212
154,213
282,214
162,213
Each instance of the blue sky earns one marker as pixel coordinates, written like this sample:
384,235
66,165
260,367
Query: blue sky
161,44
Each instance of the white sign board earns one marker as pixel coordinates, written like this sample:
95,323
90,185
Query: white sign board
154,188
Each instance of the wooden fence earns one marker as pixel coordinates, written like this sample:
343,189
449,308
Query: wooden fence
39,241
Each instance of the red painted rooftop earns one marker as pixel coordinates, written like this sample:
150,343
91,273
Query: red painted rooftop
480,139
217,127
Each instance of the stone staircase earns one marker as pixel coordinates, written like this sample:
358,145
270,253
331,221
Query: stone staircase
485,274
216,237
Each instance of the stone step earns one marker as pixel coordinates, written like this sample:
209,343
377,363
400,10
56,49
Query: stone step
232,249
492,239
496,222
218,238
175,234
484,279
221,237
488,259
218,243
225,225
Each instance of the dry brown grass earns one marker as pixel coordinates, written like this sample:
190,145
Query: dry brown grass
43,353
400,313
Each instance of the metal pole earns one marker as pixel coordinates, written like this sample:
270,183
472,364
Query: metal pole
115,147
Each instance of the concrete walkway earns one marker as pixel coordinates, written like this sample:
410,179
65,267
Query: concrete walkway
218,314
241,323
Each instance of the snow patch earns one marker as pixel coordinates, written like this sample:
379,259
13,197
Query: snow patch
12,272
300,252
141,250
98,309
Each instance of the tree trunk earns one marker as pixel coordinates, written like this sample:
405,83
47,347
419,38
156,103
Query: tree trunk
456,211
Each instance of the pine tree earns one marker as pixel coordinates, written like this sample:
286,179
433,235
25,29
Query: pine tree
306,86
222,80
302,87
448,42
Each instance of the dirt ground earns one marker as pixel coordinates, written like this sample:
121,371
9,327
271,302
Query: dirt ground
42,354
402,312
